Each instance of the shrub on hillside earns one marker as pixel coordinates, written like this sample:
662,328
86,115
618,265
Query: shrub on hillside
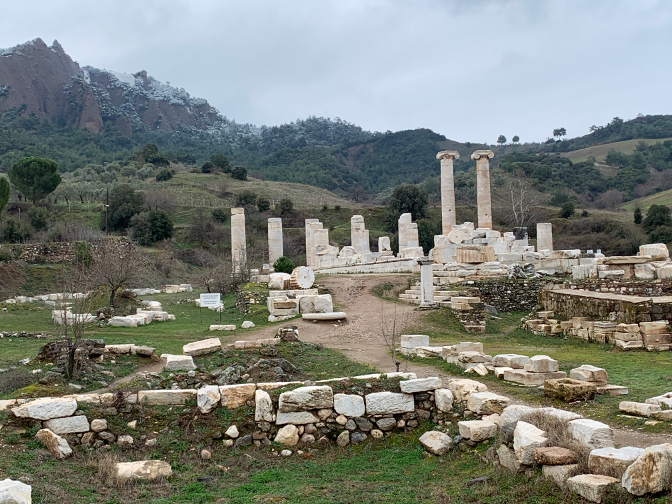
286,206
15,231
150,227
220,215
263,205
658,215
283,265
146,171
207,167
164,175
239,173
125,202
567,210
39,218
221,162
246,198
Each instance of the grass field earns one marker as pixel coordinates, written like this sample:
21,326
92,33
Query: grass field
661,198
393,469
599,152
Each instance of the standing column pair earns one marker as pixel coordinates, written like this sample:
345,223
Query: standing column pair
484,201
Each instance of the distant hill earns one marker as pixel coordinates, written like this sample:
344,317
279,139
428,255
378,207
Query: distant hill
599,152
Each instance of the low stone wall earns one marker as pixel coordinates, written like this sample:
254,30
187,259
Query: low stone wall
509,295
568,303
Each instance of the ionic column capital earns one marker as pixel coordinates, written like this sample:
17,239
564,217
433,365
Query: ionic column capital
448,154
479,154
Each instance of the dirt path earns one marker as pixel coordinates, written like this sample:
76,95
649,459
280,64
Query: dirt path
360,336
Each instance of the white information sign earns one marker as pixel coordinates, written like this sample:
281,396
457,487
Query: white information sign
211,300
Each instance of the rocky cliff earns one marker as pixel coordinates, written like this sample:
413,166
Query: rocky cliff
53,86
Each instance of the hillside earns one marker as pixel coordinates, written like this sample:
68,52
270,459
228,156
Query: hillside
599,152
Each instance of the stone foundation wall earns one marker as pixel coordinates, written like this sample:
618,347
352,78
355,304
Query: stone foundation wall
568,303
509,295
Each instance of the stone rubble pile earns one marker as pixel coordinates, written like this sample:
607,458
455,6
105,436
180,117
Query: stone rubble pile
652,262
658,407
150,312
650,335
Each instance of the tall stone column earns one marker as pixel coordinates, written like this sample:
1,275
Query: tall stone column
426,283
275,245
238,244
359,235
447,190
311,225
483,197
544,236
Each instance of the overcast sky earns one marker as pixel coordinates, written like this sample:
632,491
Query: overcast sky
469,69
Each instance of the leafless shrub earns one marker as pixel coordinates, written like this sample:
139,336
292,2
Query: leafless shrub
14,379
157,199
390,333
74,231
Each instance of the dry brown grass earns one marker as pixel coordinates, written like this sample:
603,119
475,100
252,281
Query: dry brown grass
558,435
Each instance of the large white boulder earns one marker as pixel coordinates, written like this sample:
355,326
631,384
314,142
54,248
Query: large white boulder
414,340
487,403
638,409
436,442
527,437
178,362
165,397
15,492
389,403
323,304
144,470
651,472
287,435
278,281
67,425
657,251
541,364
263,411
462,388
509,418
514,361
420,385
57,445
46,408
612,461
296,417
589,373
203,347
591,433
306,398
349,405
477,430
207,398
444,399
234,396
591,487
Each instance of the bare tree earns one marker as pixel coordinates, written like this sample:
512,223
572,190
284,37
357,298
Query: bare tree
390,333
118,265
79,301
517,200
156,199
